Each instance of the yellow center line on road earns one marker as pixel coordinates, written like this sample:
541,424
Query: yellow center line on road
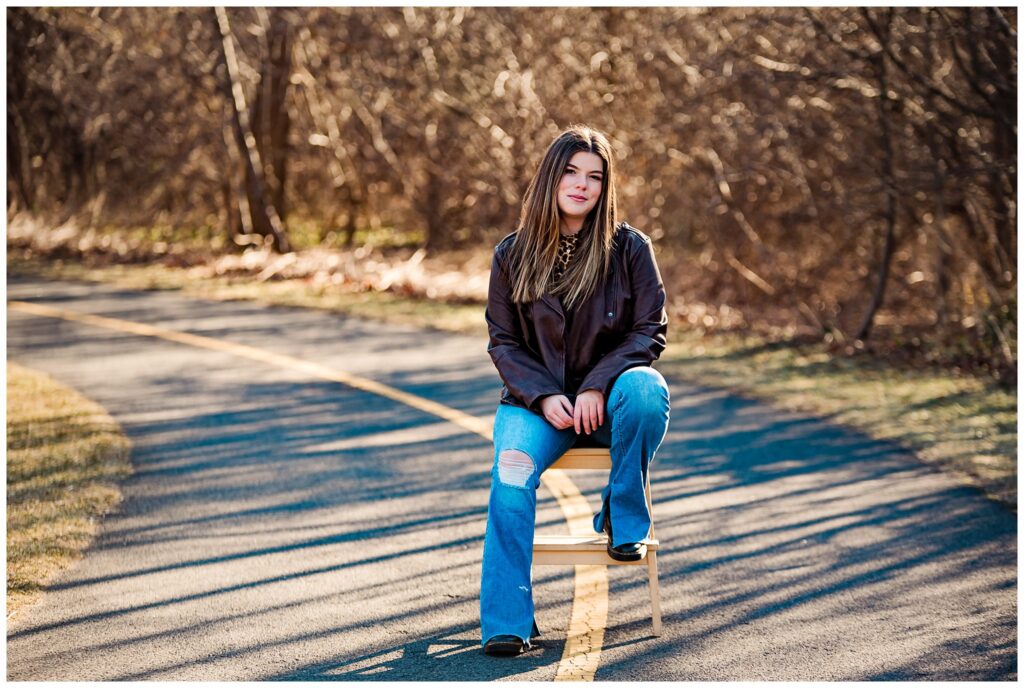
590,600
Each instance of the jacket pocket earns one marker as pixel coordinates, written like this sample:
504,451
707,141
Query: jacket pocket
616,316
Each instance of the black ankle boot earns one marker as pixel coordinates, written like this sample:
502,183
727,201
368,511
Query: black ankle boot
505,646
627,551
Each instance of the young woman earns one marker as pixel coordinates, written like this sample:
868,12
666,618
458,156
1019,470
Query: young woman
576,316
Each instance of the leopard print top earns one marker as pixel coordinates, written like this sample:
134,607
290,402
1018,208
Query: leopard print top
566,249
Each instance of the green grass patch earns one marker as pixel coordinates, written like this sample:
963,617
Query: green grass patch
302,233
311,233
963,424
157,239
64,458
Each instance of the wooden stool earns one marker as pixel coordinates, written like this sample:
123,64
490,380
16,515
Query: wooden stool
592,549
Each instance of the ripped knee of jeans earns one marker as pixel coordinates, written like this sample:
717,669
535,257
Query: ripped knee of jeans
514,467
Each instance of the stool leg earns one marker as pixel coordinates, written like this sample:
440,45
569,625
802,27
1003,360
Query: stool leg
652,575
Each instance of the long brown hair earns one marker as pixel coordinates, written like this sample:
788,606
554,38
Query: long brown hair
533,253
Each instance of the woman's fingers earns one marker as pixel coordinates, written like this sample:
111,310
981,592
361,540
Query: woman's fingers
589,412
557,418
584,415
587,416
564,412
554,410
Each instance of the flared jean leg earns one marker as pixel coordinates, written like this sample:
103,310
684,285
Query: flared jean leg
638,408
525,445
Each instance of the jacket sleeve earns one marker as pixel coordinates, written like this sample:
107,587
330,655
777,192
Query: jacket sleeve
526,377
646,339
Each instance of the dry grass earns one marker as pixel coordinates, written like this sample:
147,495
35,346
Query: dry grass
303,292
962,424
64,458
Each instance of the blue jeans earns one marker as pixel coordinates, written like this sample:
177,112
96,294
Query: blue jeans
636,419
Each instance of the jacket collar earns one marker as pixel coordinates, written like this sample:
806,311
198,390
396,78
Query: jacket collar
553,302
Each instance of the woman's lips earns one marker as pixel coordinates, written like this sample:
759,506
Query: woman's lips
578,199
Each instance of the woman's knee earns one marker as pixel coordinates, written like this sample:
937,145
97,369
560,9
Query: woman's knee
642,385
515,468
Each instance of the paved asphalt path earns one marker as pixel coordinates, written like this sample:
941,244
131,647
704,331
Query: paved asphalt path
278,527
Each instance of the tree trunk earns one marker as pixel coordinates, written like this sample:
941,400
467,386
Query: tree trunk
942,262
271,118
18,165
890,191
352,204
438,235
280,119
265,217
236,202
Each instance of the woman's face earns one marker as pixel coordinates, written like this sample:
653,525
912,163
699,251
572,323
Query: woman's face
580,187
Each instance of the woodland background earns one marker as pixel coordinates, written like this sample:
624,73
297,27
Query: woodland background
837,175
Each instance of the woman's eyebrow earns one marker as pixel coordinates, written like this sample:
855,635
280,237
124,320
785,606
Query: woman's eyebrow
576,168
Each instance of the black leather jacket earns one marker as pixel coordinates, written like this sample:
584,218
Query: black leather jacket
621,326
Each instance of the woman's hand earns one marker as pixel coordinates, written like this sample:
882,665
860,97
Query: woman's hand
557,410
589,412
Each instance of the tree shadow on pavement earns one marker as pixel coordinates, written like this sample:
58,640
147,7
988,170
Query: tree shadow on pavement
451,654
798,550
294,529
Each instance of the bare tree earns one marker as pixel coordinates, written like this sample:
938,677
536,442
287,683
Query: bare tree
887,174
266,219
828,172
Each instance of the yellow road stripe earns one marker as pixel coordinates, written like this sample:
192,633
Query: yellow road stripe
590,600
